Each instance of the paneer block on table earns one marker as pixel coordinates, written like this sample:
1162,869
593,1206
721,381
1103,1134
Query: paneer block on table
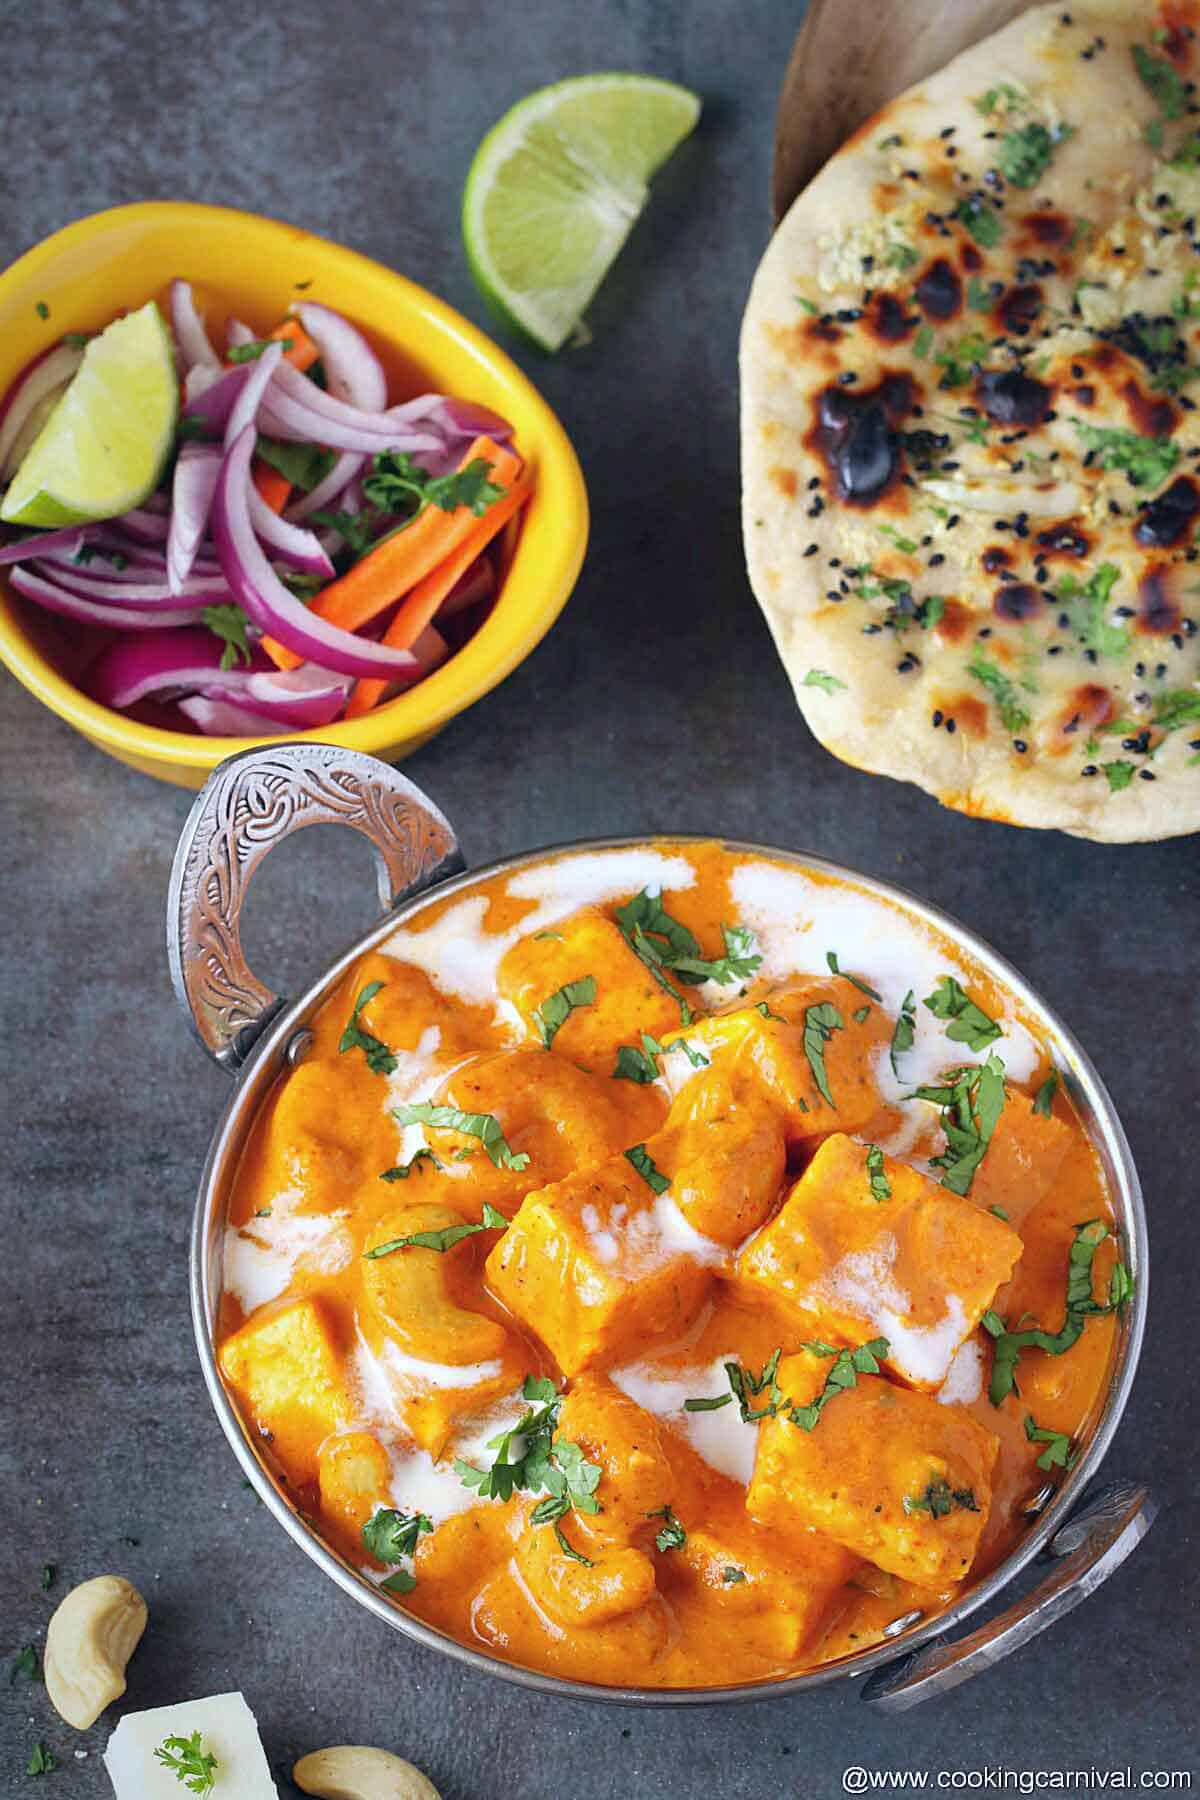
890,1474
628,999
599,1266
228,1733
288,1372
918,1265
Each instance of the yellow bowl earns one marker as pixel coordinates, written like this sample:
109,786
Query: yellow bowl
90,271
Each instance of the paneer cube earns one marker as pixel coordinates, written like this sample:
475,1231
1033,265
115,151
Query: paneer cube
308,1146
550,1110
891,1475
628,1444
438,1357
600,1266
783,1588
848,1261
576,1596
287,1369
354,1473
795,1044
628,999
1023,1161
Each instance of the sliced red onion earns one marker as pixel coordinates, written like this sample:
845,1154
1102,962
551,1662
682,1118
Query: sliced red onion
245,408
133,562
190,336
29,403
146,526
332,488
290,544
189,661
196,471
457,422
85,612
237,333
263,597
353,372
300,405
476,584
209,395
68,541
218,718
151,596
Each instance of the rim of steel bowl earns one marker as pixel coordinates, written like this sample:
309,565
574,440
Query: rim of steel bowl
1097,1113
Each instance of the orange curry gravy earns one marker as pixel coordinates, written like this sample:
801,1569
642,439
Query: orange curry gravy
785,1200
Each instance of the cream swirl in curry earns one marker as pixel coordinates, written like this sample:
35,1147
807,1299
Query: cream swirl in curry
668,1267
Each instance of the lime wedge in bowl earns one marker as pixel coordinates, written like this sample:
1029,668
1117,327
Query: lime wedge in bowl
103,447
556,187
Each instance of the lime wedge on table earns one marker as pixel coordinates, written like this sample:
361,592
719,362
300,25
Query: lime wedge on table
103,447
555,189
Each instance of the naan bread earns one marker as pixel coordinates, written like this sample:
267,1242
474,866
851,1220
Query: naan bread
970,379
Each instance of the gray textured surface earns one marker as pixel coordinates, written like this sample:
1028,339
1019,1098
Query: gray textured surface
656,703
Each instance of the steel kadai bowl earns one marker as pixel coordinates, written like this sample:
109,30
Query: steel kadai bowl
257,799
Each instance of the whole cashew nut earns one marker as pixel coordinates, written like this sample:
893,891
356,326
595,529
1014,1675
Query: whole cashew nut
356,1772
92,1635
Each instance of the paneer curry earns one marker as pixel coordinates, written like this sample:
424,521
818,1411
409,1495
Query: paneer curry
669,1267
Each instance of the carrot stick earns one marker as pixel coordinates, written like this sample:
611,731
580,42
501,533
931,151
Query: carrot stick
402,561
273,486
303,353
417,610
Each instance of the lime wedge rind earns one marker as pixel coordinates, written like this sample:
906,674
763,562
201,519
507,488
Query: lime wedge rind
556,187
104,446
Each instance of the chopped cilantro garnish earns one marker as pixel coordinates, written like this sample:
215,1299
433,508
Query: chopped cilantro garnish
189,1762
1058,1453
229,623
1145,461
390,1536
557,1008
398,484
1182,707
402,1171
820,1023
1079,1306
1087,602
529,1456
644,1163
43,1761
848,1365
862,986
819,678
493,1220
42,310
1166,87
730,1575
1044,1098
880,1186
27,1664
1004,90
923,342
49,1571
902,256
484,1126
663,943
860,1014
959,361
939,1499
969,1024
304,465
980,220
902,1037
1025,152
1014,715
1118,774
672,1536
244,353
379,1058
403,1581
979,298
971,1099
